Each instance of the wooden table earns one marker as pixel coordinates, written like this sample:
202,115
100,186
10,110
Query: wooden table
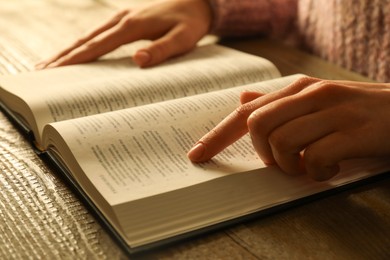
41,218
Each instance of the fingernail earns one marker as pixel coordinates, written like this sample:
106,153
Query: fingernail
197,152
142,58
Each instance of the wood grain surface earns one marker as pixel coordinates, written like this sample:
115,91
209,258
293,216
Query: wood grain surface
42,219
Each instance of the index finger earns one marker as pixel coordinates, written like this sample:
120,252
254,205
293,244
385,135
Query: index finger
229,130
234,126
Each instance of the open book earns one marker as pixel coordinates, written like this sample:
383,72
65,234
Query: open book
121,134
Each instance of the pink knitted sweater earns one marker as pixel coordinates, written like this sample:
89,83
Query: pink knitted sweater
350,33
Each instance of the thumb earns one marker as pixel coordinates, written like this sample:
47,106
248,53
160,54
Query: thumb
177,41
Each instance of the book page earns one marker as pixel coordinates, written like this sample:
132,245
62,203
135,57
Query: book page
139,152
81,90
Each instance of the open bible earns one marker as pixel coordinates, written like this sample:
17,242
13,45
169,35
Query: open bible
120,135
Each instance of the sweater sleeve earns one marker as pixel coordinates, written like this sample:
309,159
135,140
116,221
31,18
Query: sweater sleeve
275,18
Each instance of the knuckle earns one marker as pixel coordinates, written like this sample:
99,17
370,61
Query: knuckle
120,17
326,85
243,111
280,141
307,79
329,88
121,13
315,159
246,112
126,22
257,126
303,81
325,90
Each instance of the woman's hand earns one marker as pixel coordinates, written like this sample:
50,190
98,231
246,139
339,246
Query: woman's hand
175,26
309,126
